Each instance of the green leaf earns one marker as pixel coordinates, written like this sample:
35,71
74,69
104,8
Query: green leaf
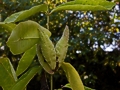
25,14
42,61
68,86
87,88
7,74
85,5
47,49
24,36
72,76
62,46
25,78
26,60
7,27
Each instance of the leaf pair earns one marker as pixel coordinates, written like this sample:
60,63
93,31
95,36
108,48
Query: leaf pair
49,57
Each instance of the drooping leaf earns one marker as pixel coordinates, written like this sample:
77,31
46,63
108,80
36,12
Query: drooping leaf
24,36
72,76
25,14
26,60
85,5
25,78
7,27
7,74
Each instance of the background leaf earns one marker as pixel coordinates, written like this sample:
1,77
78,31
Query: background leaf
25,78
72,76
25,14
7,74
26,60
24,36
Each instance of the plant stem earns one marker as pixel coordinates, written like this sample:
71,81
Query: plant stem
51,82
48,21
51,76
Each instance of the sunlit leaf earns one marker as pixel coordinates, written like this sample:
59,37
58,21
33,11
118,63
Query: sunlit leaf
72,76
7,74
26,60
25,14
85,5
24,36
25,78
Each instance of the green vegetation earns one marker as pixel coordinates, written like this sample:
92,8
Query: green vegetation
46,44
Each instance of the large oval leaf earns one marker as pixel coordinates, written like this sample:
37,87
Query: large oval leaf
25,14
85,5
24,36
72,76
7,74
25,78
26,60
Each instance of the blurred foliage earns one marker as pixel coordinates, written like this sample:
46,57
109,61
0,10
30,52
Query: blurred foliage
91,33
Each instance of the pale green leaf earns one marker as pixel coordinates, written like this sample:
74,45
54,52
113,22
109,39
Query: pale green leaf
25,78
85,5
25,14
7,74
72,76
24,36
26,60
